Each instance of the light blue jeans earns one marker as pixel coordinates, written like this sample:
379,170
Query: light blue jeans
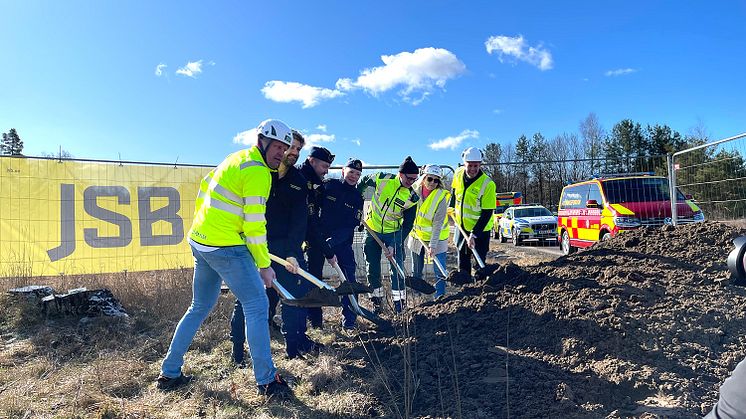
419,265
236,267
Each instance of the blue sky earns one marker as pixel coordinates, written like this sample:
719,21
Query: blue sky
376,80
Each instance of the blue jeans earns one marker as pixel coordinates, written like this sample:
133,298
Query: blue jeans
419,265
237,268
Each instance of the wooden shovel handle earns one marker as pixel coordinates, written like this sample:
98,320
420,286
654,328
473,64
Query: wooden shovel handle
385,249
319,283
466,237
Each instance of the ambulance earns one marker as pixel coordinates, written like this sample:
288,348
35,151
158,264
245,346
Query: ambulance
601,207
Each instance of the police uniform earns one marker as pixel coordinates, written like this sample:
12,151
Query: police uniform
341,214
286,229
316,247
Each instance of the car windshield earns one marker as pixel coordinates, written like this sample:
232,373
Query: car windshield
532,212
501,209
637,190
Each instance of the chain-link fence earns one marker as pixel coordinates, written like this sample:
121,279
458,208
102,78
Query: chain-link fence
714,174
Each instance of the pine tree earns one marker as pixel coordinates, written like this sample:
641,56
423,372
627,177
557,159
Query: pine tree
11,144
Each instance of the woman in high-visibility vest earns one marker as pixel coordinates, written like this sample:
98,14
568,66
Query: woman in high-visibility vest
430,225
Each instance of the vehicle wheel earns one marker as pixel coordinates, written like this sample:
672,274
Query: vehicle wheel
565,244
606,236
516,237
500,236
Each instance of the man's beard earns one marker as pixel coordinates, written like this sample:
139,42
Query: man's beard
289,161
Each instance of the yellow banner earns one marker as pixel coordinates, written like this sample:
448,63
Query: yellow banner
80,218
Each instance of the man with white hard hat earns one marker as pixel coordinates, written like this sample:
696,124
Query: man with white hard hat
473,204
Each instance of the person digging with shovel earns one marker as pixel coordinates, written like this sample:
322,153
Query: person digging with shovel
472,206
341,214
430,225
286,229
392,213
229,244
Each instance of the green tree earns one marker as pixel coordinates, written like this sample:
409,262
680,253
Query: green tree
491,167
11,144
523,155
625,147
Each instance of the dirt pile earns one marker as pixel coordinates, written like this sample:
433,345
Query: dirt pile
637,326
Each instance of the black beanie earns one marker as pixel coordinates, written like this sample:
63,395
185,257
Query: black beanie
409,167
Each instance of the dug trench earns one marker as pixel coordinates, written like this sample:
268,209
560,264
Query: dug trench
646,324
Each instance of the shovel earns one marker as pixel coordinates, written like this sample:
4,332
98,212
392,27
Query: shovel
323,296
362,311
437,263
483,271
417,284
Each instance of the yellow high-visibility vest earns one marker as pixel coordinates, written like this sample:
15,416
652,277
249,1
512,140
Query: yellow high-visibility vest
231,204
470,202
423,224
390,200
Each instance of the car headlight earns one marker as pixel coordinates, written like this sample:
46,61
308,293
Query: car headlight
627,222
699,216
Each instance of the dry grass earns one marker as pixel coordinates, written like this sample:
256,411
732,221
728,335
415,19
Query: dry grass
105,367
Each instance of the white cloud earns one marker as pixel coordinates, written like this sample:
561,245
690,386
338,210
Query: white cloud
318,139
454,141
247,137
497,111
280,91
620,72
321,127
356,141
159,69
518,49
419,72
192,68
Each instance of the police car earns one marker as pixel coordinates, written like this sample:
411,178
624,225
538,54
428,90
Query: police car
524,222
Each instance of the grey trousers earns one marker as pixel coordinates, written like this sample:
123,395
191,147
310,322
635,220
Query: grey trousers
732,401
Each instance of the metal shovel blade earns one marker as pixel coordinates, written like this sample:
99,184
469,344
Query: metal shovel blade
351,288
419,284
485,272
317,297
459,278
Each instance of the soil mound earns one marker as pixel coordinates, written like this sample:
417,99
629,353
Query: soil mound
644,324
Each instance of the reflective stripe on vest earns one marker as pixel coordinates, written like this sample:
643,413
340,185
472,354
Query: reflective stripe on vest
469,209
385,216
423,224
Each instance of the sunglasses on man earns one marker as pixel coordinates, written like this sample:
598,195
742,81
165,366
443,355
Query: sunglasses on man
432,179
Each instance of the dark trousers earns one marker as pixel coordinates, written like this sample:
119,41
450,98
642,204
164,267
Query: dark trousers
482,245
346,260
293,318
316,268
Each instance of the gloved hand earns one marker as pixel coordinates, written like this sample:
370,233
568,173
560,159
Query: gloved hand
360,228
472,241
292,265
451,211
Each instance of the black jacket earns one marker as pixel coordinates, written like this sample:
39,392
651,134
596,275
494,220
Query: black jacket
341,212
286,213
315,190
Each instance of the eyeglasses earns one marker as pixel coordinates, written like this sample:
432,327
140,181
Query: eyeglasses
411,178
432,179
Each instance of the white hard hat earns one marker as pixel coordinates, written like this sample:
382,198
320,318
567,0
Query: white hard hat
471,154
433,169
274,129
